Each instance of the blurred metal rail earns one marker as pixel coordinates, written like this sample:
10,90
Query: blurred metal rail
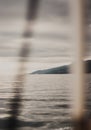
80,119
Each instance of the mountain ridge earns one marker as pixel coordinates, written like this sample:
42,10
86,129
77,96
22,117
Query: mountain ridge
62,69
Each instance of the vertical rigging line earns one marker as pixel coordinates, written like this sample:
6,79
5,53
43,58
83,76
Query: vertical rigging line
15,102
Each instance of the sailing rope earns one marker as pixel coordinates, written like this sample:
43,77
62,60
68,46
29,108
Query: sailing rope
15,102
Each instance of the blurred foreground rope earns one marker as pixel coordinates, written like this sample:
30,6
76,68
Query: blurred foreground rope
15,102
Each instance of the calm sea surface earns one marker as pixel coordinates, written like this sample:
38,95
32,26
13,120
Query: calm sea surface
46,101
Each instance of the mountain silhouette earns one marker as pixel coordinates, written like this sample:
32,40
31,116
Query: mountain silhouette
63,69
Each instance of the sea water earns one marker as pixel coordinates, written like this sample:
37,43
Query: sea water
46,101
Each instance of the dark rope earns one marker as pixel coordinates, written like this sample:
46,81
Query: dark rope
15,102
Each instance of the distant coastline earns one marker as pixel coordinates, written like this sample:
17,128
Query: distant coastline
62,69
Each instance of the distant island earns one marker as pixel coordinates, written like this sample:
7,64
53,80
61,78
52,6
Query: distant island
62,69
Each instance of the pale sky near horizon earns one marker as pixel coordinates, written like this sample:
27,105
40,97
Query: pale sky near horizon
51,40
51,31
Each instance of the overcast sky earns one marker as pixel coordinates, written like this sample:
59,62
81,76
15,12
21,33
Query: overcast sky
51,43
51,31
